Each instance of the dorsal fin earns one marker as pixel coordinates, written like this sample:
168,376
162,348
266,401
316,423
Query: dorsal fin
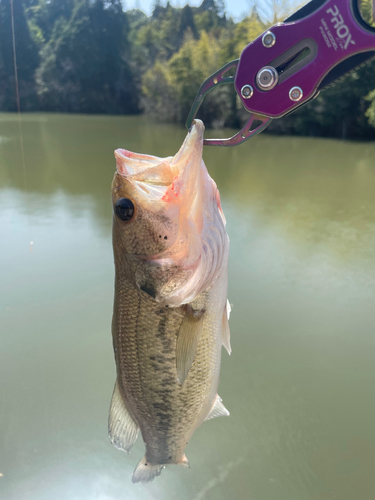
218,409
122,429
187,341
225,328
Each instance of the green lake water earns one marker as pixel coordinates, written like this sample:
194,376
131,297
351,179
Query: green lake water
300,381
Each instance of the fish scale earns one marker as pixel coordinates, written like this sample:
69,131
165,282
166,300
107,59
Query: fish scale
148,396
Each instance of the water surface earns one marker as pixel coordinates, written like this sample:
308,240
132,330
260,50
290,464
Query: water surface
300,381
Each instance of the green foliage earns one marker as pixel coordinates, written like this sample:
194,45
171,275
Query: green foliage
366,8
84,67
159,97
243,33
169,90
27,58
337,112
159,37
370,113
187,69
274,11
187,24
44,14
90,56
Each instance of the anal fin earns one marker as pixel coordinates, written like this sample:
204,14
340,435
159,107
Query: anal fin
218,409
122,429
187,341
184,461
145,472
225,328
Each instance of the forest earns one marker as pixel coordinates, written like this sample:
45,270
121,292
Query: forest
93,56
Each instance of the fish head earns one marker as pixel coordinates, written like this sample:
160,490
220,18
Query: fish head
164,208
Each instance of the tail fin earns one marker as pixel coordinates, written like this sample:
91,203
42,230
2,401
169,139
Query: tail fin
145,472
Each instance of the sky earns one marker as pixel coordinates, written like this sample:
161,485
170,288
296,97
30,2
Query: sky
235,8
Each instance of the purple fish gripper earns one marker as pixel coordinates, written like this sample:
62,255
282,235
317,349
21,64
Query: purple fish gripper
288,65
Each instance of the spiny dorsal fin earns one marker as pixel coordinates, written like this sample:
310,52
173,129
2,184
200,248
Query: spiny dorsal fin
145,472
122,429
218,409
187,341
225,328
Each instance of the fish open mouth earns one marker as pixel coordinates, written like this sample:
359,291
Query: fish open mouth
158,177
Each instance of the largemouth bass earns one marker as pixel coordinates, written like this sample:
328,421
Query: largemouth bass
171,313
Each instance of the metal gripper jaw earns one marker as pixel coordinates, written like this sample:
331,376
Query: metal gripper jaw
254,125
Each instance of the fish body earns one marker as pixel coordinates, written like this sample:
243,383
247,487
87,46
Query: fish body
170,314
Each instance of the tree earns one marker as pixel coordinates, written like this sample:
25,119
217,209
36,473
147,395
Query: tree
85,64
27,58
215,6
274,11
46,13
339,111
187,24
366,9
174,85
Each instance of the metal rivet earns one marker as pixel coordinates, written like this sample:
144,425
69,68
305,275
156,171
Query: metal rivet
247,91
295,93
268,39
267,78
215,81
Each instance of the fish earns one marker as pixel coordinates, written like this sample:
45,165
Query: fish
171,312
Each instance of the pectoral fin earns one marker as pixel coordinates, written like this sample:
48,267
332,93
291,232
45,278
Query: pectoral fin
187,341
218,409
225,328
122,429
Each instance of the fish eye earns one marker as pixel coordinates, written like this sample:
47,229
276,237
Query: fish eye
124,209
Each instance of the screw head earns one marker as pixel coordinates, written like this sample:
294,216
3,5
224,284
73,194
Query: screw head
267,78
247,91
295,94
268,39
